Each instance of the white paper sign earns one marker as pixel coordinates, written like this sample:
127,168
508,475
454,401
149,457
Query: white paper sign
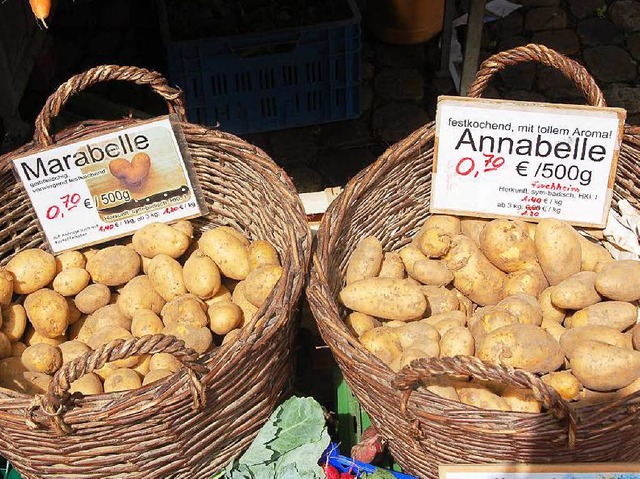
541,471
497,158
108,186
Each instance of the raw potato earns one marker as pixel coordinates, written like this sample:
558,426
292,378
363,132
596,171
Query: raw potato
145,322
472,227
32,269
6,287
17,348
550,312
235,233
360,323
507,245
431,350
365,261
635,337
224,317
166,277
417,335
565,383
489,321
139,294
521,400
449,224
159,238
228,252
616,314
223,294
573,337
457,340
14,321
260,282
594,255
111,333
156,375
602,367
114,265
392,266
122,380
428,271
529,281
5,346
105,371
262,253
38,382
433,242
576,292
454,318
479,396
87,385
620,280
442,387
109,315
93,297
558,250
383,343
48,312
42,358
385,298
185,309
239,298
198,339
72,350
70,259
164,361
71,281
524,307
440,300
31,337
144,362
554,329
201,275
12,375
185,227
521,346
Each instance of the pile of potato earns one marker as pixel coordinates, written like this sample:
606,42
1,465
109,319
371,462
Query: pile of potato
542,298
55,309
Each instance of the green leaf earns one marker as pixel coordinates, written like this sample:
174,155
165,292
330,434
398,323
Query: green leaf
301,421
379,474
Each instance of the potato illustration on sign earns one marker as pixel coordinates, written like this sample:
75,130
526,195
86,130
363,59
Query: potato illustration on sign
131,174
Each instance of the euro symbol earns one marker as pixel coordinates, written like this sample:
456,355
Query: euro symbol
87,203
522,168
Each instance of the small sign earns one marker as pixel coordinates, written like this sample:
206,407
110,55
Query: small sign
109,186
498,158
541,471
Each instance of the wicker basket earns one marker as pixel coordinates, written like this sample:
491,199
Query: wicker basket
390,200
194,422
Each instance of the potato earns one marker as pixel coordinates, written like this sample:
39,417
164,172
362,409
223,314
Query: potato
110,333
575,336
576,292
260,282
224,317
457,341
565,383
530,280
114,265
439,300
138,294
635,337
392,324
523,346
185,309
465,305
31,337
449,224
558,250
550,312
93,297
201,275
383,343
143,366
521,400
232,336
14,322
385,298
6,287
42,358
602,367
593,255
71,281
457,318
198,339
12,376
166,277
433,242
474,275
32,269
72,350
164,361
262,253
417,335
236,233
17,348
159,238
239,298
442,387
479,396
122,379
48,312
70,259
507,245
472,227
392,266
5,346
619,280
524,307
428,271
365,261
185,227
222,295
38,382
109,315
554,329
87,385
616,314
146,322
228,252
88,254
430,350
359,323
491,320
156,375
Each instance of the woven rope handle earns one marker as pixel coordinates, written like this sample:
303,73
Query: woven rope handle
58,396
540,54
412,376
75,84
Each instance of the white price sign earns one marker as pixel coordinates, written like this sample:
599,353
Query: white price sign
498,158
541,471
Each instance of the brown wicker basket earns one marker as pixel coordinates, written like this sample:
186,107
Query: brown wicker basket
194,422
390,200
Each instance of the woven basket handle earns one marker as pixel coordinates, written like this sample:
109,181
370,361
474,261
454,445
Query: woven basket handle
541,54
54,402
75,84
412,376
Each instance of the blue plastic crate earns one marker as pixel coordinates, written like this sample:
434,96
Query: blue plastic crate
271,80
347,464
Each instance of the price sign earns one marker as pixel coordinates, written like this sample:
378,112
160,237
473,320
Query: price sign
541,471
497,158
111,185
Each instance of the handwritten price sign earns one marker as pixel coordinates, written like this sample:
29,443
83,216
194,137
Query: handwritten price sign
498,158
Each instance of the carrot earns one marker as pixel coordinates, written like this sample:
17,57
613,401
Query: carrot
41,9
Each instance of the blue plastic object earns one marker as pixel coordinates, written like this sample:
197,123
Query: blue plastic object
347,464
271,80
